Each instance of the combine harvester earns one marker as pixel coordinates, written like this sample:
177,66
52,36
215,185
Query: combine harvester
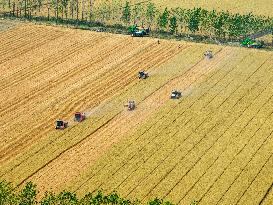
135,31
131,105
175,94
250,43
208,55
61,125
143,75
79,117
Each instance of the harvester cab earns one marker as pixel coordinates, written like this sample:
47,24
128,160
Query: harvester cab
143,75
208,54
60,125
131,105
176,94
79,117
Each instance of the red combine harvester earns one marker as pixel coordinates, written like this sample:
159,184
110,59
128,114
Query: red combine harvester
79,117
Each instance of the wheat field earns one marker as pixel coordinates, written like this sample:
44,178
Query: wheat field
214,145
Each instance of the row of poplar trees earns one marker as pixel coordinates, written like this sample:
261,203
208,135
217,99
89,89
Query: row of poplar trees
221,24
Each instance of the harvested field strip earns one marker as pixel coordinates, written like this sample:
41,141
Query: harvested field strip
95,90
34,41
25,75
67,110
36,56
53,82
95,185
11,37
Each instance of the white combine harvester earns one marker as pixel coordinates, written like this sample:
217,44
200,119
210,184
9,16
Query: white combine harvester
131,105
208,54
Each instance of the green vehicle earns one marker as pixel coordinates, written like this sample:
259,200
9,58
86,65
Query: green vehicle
248,42
137,32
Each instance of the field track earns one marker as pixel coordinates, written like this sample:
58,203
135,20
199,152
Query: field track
214,145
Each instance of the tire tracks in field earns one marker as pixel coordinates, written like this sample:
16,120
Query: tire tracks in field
11,41
39,69
108,53
223,133
177,78
126,160
205,135
68,148
163,145
27,45
217,158
246,144
12,147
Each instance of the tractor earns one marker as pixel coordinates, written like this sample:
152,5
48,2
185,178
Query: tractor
143,75
208,54
249,43
176,94
60,125
135,31
79,117
131,105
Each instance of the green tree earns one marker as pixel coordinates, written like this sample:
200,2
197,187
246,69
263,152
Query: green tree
49,199
156,201
67,198
28,194
126,14
72,7
219,24
64,7
181,17
6,194
150,13
173,24
137,13
194,20
163,19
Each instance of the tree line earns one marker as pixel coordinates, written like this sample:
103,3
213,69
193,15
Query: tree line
27,195
198,21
